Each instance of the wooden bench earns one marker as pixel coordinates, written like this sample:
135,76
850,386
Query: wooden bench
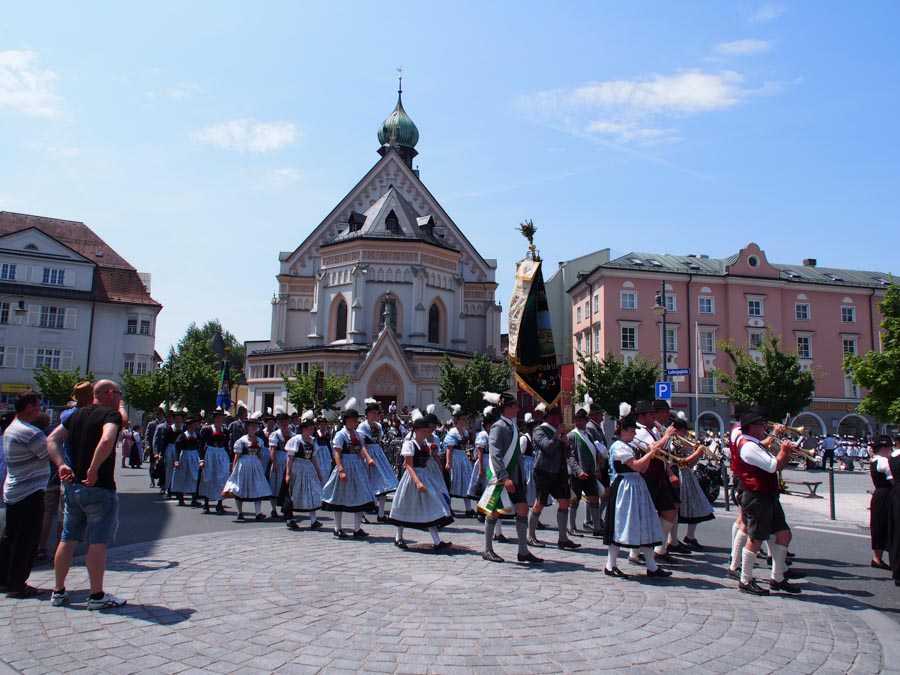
811,487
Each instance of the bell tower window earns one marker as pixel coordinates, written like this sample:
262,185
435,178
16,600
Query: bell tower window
434,325
340,332
392,224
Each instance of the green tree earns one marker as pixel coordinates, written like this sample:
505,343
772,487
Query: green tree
776,382
610,381
464,384
147,390
56,385
191,371
301,390
879,372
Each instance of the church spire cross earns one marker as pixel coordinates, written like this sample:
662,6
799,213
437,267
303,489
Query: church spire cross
399,83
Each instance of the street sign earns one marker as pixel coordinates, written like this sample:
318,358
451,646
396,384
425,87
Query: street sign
664,390
679,371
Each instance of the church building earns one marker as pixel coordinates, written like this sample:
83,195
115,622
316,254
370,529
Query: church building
380,291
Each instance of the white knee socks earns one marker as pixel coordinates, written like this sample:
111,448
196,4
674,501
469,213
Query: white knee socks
612,557
498,531
649,558
667,529
673,534
257,506
468,503
399,536
435,538
691,531
312,518
338,520
737,545
748,558
779,561
381,500
357,521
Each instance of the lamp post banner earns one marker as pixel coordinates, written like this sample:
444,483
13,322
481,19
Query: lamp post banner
531,351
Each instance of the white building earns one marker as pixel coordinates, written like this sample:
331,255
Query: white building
388,249
68,300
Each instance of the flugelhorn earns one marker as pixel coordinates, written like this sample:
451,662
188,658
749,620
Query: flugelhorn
796,450
693,445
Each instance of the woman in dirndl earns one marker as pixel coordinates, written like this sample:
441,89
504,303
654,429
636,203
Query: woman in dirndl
422,501
171,452
215,466
187,462
478,482
456,445
278,459
303,477
348,489
247,482
694,506
632,520
382,479
526,455
323,444
880,505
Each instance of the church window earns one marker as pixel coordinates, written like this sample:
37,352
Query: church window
340,332
391,223
434,324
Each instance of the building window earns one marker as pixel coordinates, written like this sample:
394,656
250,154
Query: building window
132,327
434,324
8,272
671,340
804,346
141,367
850,388
4,312
2,356
708,385
754,308
801,311
54,276
628,300
129,364
45,356
391,223
340,330
756,339
629,338
303,368
848,314
268,370
670,301
145,326
596,301
849,344
705,303
596,339
578,313
52,317
708,341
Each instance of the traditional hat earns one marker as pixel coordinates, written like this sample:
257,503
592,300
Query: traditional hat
752,416
456,411
541,408
372,405
217,412
679,421
420,421
241,405
281,415
643,407
581,413
660,405
585,408
499,400
256,417
626,419
349,409
192,418
489,415
308,419
268,415
528,419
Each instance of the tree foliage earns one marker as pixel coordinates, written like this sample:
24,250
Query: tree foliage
301,390
464,384
879,372
611,381
147,390
776,382
56,386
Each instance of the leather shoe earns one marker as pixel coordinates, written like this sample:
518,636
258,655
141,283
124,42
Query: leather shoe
734,574
693,543
879,565
360,534
340,534
501,538
316,525
784,586
529,558
399,543
568,544
679,548
666,558
659,573
537,543
615,572
490,556
752,588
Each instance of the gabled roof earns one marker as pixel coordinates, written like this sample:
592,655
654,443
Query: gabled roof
115,280
704,265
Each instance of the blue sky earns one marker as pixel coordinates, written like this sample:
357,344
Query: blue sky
200,139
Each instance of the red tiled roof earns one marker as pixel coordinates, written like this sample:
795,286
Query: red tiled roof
116,280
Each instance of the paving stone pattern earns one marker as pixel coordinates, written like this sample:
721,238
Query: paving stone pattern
302,602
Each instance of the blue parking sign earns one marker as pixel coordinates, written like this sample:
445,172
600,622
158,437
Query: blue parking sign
664,390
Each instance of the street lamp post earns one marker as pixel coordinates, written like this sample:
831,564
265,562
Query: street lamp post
660,309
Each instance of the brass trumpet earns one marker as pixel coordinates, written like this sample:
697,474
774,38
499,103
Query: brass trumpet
691,444
796,451
662,453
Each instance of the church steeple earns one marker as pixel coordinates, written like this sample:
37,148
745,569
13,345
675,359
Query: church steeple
398,131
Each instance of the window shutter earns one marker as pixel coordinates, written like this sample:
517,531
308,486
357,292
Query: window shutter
11,358
30,357
71,317
65,362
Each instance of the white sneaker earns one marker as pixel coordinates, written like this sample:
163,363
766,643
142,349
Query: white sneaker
108,601
59,598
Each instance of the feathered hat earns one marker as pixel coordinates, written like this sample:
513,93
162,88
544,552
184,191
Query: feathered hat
308,419
420,421
456,410
541,408
350,409
626,419
372,405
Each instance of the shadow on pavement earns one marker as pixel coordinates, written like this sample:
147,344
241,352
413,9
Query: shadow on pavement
143,516
141,565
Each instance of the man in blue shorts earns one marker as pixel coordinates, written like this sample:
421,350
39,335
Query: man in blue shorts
91,503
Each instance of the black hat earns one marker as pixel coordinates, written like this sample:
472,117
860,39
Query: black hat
499,400
191,418
217,412
422,422
581,413
679,423
433,420
372,405
643,407
752,416
883,441
627,422
350,410
282,416
660,405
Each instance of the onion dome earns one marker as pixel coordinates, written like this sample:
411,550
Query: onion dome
398,129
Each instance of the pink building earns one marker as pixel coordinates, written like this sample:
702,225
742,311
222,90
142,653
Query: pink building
819,313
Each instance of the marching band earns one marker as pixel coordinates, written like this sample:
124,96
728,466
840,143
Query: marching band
637,490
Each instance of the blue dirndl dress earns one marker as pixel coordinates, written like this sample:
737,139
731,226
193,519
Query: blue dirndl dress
694,506
323,455
185,477
382,478
305,487
632,520
277,468
216,465
354,494
247,481
460,466
478,482
421,510
169,456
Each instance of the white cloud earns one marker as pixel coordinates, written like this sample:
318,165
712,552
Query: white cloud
742,47
247,135
639,110
279,178
25,87
767,12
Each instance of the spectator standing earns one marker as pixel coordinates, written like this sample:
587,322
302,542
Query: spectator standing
23,492
91,502
5,421
828,447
